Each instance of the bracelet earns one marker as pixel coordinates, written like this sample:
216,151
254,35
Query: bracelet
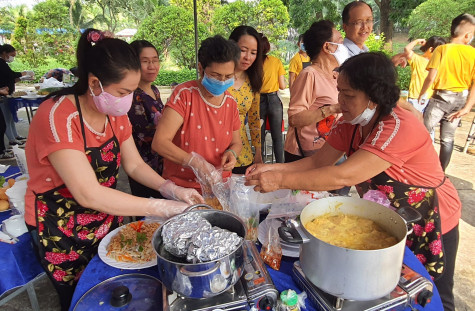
323,112
233,152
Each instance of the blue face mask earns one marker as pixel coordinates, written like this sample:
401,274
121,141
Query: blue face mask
302,47
216,87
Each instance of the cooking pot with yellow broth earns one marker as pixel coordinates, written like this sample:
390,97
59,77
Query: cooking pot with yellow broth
357,274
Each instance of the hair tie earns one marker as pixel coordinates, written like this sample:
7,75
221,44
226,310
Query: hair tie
95,36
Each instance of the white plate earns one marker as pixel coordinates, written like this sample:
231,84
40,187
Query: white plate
289,250
102,252
32,96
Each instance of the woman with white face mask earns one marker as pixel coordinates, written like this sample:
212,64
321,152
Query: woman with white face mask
8,79
313,96
389,151
77,141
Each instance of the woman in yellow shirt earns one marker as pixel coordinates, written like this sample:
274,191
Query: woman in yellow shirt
246,88
271,105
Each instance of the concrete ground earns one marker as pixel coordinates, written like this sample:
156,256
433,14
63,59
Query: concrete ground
461,171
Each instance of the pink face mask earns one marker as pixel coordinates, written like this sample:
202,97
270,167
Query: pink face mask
110,104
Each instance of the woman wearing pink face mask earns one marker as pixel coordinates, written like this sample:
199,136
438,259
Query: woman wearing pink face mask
78,139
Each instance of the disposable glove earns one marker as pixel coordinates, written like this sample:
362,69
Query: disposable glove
173,192
164,208
205,172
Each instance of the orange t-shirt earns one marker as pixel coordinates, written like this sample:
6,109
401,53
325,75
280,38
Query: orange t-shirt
403,141
207,130
56,126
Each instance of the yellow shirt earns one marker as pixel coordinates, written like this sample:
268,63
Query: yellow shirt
273,69
455,64
248,103
295,64
419,73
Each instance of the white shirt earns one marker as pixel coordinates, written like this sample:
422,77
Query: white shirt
353,49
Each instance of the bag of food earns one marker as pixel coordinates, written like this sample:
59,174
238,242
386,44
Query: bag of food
271,252
242,203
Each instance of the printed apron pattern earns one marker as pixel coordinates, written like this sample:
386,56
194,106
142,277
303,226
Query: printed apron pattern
69,234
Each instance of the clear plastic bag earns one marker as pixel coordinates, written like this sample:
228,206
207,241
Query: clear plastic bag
242,203
271,252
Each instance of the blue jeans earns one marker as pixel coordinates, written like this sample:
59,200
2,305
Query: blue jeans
271,108
440,106
10,124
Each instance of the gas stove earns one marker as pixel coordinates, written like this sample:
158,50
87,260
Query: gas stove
254,289
412,289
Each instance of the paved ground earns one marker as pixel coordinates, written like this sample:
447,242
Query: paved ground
461,172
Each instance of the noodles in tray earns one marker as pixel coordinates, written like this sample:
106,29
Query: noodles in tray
133,243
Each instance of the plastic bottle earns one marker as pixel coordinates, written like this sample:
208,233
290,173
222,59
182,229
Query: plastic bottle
289,301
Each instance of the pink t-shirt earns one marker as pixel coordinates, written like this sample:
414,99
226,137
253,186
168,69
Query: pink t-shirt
207,130
401,139
56,126
311,90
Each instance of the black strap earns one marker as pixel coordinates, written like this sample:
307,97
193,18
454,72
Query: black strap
78,106
298,142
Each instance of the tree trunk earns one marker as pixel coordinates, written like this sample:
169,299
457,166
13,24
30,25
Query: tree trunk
386,24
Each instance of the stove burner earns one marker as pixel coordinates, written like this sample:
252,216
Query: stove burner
412,289
255,288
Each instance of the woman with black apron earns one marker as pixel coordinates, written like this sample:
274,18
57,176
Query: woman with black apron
388,150
77,141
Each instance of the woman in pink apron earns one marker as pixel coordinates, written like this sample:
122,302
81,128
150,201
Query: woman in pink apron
77,141
388,150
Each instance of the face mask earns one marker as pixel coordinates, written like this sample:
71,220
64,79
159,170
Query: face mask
470,41
302,47
110,104
216,87
364,117
10,59
341,54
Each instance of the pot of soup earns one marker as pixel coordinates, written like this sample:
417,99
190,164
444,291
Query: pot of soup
351,248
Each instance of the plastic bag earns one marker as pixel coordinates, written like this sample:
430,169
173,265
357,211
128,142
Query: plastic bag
378,197
242,200
271,252
20,159
293,204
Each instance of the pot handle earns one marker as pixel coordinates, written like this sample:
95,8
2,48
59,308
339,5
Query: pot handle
409,214
290,235
190,208
199,273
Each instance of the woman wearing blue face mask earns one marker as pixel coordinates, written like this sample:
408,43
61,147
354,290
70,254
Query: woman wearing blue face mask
77,141
313,96
388,151
201,117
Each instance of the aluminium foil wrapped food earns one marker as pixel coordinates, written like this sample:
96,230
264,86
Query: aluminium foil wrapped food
192,236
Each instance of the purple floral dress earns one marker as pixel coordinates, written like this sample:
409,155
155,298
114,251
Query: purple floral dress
144,115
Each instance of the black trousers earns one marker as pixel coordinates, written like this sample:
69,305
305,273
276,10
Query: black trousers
140,190
445,283
3,126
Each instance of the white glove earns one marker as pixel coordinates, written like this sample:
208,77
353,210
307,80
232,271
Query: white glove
164,208
205,172
173,192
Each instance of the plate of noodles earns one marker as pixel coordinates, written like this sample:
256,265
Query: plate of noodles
130,246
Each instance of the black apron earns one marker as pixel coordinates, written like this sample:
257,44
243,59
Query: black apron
426,239
68,233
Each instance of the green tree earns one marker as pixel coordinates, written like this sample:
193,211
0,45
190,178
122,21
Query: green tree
205,9
428,19
272,19
401,9
305,12
171,30
229,16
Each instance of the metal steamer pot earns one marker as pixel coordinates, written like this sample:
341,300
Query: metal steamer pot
206,279
347,273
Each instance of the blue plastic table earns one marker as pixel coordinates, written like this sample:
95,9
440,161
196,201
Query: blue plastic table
17,103
19,267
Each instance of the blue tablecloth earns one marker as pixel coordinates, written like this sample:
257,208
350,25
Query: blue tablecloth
97,271
17,103
18,263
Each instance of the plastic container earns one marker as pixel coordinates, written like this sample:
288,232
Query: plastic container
289,301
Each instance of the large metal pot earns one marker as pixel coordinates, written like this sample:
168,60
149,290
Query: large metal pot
347,273
207,279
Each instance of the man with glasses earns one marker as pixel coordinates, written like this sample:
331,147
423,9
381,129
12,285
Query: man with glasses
358,21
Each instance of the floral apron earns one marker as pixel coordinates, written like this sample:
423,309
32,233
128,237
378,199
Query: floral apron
69,234
426,239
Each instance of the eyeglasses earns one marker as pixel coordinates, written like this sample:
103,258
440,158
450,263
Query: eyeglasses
360,23
154,62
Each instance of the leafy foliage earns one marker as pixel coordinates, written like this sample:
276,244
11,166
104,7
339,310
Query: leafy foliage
401,9
228,17
272,19
434,17
304,12
404,77
174,33
205,9
167,77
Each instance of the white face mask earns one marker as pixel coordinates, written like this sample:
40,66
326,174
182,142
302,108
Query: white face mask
364,117
10,59
341,54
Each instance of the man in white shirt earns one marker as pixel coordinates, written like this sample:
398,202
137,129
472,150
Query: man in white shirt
358,22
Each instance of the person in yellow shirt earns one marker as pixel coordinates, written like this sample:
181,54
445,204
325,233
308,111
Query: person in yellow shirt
246,92
300,61
452,73
418,65
271,106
